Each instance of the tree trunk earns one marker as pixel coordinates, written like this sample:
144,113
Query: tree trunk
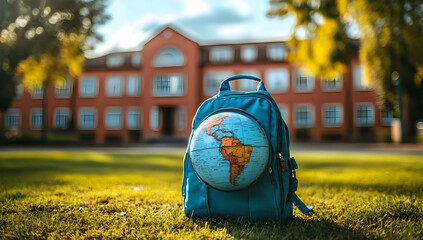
2,127
44,127
72,124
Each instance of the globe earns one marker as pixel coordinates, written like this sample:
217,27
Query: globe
229,150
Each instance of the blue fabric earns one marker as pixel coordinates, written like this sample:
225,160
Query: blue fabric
268,197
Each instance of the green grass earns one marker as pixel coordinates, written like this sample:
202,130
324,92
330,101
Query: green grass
103,195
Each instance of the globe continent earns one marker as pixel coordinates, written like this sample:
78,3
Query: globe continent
229,151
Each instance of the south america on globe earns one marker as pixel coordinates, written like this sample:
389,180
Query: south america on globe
229,150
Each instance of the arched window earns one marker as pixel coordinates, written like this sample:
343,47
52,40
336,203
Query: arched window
169,57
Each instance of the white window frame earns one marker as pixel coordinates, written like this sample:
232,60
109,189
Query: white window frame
358,80
128,118
284,109
37,91
87,109
382,118
181,118
169,56
276,52
19,91
56,110
115,60
282,82
83,91
136,59
114,86
248,85
312,113
341,115
131,89
299,74
39,112
326,87
249,53
155,118
221,54
212,81
357,122
107,118
169,85
63,90
17,114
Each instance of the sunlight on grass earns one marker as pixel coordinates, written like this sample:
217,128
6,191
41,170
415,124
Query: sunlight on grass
109,195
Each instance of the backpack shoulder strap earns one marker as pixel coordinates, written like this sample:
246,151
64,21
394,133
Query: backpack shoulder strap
300,205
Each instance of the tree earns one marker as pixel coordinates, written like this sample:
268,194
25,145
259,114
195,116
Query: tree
45,37
49,68
389,33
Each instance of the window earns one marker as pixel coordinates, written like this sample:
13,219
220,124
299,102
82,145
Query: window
62,89
12,119
303,82
277,80
88,87
248,53
303,116
19,91
155,118
364,114
387,117
133,120
249,85
276,52
115,60
332,115
359,83
133,86
136,59
36,119
113,119
213,80
37,91
221,54
169,57
61,118
181,118
331,84
284,112
168,85
114,86
87,119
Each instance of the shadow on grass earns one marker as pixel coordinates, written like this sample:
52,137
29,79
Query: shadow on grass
295,228
32,171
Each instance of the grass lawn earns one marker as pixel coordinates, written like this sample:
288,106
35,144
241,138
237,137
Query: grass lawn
104,195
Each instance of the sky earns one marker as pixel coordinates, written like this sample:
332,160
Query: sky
133,22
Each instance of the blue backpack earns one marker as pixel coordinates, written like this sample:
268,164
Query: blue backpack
271,196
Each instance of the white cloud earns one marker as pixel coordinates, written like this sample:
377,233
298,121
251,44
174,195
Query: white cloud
195,7
240,6
232,31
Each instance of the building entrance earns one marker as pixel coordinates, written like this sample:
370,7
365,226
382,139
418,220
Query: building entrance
168,120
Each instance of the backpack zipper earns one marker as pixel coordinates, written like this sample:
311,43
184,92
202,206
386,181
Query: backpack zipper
278,150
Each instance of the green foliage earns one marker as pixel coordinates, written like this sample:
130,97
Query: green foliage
137,196
390,37
44,40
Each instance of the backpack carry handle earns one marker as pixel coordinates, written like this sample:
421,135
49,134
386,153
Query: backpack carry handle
224,86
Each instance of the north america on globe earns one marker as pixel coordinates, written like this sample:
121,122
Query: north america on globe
231,148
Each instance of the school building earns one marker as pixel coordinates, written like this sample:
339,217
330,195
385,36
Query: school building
153,94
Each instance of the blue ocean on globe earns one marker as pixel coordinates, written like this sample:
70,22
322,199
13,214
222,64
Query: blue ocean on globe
229,150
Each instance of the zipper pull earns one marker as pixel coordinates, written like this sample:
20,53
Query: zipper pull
282,161
271,175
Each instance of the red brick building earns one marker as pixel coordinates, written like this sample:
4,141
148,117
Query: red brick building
154,93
